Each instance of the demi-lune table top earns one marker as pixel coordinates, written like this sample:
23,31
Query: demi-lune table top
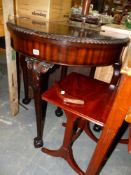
67,43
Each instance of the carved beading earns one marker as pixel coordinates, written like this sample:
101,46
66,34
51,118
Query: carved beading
98,39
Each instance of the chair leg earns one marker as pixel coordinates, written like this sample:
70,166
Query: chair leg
100,152
105,146
65,150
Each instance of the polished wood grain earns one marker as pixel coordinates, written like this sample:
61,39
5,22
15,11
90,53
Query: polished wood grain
68,44
83,88
64,44
104,104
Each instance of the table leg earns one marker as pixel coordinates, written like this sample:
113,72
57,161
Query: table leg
40,106
25,70
39,82
58,111
35,80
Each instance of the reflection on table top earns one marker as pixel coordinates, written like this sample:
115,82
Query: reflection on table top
69,31
66,43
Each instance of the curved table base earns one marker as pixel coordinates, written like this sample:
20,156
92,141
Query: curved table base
89,132
67,154
70,136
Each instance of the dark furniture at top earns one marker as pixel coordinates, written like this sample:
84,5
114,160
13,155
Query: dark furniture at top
69,44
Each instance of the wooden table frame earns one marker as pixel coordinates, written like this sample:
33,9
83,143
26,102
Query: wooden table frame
61,50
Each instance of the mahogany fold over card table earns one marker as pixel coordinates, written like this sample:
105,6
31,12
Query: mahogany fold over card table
40,45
